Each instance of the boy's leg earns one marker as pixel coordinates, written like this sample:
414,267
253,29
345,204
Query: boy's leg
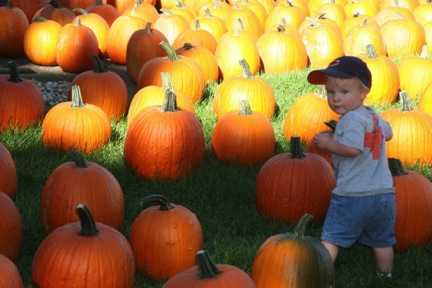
384,258
332,249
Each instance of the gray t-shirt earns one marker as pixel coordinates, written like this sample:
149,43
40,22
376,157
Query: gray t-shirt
368,172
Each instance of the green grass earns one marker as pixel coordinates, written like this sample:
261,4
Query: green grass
222,197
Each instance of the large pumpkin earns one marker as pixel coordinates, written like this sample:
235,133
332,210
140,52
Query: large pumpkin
413,206
207,274
10,228
8,175
10,277
21,102
81,181
293,259
159,225
13,23
164,142
289,185
243,137
55,12
84,254
75,125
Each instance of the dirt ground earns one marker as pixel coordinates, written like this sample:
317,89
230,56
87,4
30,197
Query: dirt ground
29,70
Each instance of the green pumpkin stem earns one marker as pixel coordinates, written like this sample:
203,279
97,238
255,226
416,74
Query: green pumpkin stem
206,267
78,158
81,11
300,228
171,52
14,73
371,51
99,3
148,29
98,66
396,167
245,108
246,72
166,81
164,204
39,19
405,102
296,148
77,101
170,102
331,124
88,225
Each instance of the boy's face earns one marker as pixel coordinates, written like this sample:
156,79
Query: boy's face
344,95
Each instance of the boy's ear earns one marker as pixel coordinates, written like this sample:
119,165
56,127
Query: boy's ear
363,94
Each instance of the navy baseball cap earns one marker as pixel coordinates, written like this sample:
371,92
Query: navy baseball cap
343,67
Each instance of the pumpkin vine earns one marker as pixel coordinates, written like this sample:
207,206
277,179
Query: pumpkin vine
88,225
206,267
300,229
164,204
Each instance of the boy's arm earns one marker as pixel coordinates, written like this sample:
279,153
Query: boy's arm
388,131
325,142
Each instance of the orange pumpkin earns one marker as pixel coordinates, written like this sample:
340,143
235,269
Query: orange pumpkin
29,7
289,185
256,90
243,137
40,41
21,102
101,255
248,18
57,13
293,15
186,75
293,259
207,274
13,23
107,11
10,228
410,127
168,223
171,25
358,37
213,24
425,103
196,36
8,177
9,274
164,142
73,125
103,88
306,117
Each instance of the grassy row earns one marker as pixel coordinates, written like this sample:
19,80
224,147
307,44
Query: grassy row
221,195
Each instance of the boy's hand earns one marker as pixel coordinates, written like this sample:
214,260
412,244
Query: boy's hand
321,140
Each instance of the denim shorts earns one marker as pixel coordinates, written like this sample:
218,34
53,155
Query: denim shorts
368,220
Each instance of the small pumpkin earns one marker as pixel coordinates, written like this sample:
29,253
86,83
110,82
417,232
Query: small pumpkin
169,224
243,137
289,185
293,259
170,24
75,125
81,181
57,13
11,228
10,277
101,256
8,175
207,274
107,11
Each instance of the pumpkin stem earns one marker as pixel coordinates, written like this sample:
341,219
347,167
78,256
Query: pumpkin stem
78,158
14,73
77,101
81,11
206,266
88,225
148,29
331,124
170,102
188,46
99,2
405,102
245,69
424,52
166,81
39,19
164,204
98,67
296,148
172,54
396,167
300,229
371,51
54,3
245,108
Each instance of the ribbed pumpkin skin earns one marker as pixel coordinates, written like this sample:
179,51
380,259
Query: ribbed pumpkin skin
8,175
306,117
413,208
67,259
410,128
85,128
61,15
291,260
164,145
425,103
9,275
10,228
288,187
69,185
21,102
13,23
165,240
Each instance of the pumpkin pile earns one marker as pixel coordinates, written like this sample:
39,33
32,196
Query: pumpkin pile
177,53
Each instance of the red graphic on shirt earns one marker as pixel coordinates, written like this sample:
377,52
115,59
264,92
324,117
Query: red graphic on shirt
373,139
